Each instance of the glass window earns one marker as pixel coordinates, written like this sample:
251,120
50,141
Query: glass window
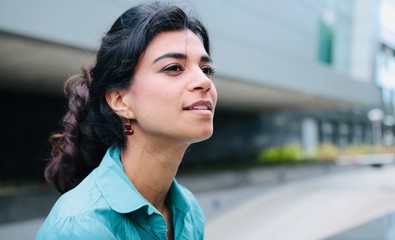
325,47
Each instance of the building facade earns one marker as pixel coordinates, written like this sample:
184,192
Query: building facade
287,71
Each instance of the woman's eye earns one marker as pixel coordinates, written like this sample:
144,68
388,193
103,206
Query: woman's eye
209,71
173,69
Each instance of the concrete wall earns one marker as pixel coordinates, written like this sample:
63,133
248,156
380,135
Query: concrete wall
74,23
269,43
275,43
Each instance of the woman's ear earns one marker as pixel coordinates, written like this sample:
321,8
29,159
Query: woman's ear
117,100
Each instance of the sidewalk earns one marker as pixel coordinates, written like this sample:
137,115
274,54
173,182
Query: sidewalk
23,230
311,209
23,213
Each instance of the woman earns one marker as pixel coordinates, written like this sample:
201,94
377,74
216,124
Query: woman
130,119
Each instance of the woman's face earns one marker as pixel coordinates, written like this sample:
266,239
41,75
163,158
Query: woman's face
172,96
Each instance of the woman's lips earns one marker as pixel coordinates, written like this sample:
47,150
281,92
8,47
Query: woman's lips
199,105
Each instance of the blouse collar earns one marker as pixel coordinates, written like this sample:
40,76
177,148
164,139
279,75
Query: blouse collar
120,193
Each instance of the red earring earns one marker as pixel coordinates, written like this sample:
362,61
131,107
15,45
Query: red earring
128,128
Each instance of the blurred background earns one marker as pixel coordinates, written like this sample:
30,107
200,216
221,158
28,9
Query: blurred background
300,83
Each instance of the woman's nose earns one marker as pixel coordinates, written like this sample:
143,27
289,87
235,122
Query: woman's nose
200,81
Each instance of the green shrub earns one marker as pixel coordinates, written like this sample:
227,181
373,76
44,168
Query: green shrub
327,152
283,154
358,149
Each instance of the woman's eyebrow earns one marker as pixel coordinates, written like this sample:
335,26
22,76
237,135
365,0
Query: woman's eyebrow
205,58
171,55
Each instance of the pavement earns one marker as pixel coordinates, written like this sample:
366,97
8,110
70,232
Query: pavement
22,230
284,203
314,208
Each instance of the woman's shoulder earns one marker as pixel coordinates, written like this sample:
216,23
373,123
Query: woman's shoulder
84,198
75,227
79,213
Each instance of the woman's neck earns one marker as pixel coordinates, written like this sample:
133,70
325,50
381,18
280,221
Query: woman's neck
151,168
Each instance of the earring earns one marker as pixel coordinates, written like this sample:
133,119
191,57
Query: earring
128,128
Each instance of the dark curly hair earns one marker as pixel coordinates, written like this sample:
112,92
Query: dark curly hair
90,126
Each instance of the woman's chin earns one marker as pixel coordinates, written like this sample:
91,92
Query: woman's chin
202,135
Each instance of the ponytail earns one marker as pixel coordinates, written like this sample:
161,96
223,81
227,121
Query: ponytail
75,151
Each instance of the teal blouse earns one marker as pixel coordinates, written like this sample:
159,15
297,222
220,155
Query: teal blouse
106,205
